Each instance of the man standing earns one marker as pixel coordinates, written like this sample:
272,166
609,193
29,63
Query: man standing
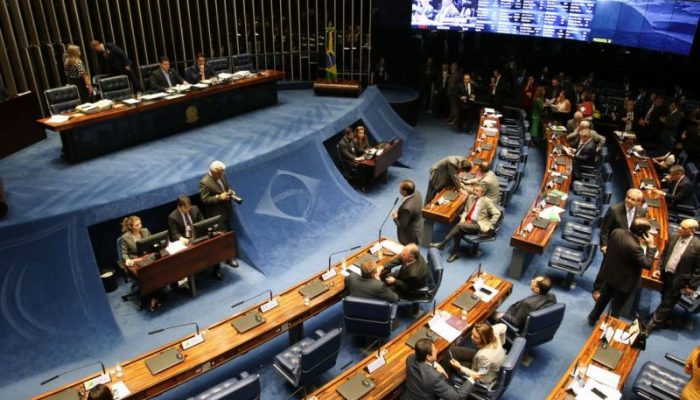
412,275
628,253
181,221
114,61
573,138
480,216
441,104
369,285
452,88
199,71
216,194
679,272
408,218
679,188
540,298
165,77
584,154
466,93
445,173
427,380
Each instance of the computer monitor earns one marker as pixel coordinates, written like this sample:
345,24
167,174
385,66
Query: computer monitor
152,244
201,228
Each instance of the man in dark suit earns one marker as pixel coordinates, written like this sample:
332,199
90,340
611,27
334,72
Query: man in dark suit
114,61
679,188
679,272
426,379
216,194
619,216
452,87
441,104
584,154
540,298
181,221
445,173
466,94
165,77
369,285
408,218
412,275
199,71
670,127
498,88
622,267
650,125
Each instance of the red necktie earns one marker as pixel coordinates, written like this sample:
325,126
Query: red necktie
471,212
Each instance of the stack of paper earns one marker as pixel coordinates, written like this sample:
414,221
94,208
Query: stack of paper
442,328
393,247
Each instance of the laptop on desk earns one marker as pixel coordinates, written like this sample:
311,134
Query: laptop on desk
68,394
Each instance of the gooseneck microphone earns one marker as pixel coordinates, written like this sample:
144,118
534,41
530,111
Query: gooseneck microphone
75,369
338,252
386,218
196,325
252,297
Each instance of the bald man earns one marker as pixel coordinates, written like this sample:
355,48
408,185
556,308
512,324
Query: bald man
412,275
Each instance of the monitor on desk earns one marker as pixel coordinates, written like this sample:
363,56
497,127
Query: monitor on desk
201,228
152,244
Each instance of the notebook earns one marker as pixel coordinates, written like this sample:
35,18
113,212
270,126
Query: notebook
653,202
164,360
542,223
313,289
68,394
248,321
355,387
486,146
553,200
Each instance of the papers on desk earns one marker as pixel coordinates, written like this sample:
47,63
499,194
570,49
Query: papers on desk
131,102
351,268
551,213
58,119
488,110
596,391
484,292
153,96
226,75
174,96
201,85
392,246
175,247
440,326
120,391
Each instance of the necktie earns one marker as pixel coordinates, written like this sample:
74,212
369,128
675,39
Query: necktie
189,226
470,214
167,78
630,118
649,112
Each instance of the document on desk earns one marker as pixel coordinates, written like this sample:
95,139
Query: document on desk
442,328
393,247
153,96
175,247
551,213
484,292
120,390
351,268
603,376
596,391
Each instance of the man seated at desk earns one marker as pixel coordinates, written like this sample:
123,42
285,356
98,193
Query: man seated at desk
445,173
165,77
679,188
574,137
350,154
369,285
181,221
540,298
199,71
412,275
427,379
488,180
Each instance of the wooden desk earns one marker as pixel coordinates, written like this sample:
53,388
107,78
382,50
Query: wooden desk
185,264
389,379
338,87
87,136
18,128
534,242
585,358
447,213
223,343
379,165
637,174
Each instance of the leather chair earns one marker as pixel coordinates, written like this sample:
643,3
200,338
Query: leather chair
474,240
582,234
115,87
655,382
427,293
368,317
540,327
247,387
588,211
242,62
574,262
308,358
495,389
219,64
61,99
146,71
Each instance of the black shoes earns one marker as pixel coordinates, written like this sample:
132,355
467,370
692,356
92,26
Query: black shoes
232,263
454,256
591,321
437,245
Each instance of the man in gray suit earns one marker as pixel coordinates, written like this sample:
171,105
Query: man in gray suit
445,173
488,180
369,285
412,275
679,272
216,194
573,137
427,380
480,216
409,218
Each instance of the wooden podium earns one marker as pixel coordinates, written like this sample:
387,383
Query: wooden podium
18,114
343,88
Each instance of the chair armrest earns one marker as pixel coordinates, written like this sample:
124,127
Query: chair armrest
319,333
675,359
510,327
666,391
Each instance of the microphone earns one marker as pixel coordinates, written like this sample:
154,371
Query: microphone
75,369
387,217
175,326
434,305
338,252
252,297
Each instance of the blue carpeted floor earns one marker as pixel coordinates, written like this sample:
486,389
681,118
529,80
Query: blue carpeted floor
433,140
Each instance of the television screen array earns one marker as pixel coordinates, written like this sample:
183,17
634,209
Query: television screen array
661,25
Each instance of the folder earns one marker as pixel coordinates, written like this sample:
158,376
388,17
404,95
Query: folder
313,289
643,163
355,387
559,179
450,196
466,301
365,257
649,182
422,333
653,202
561,160
68,394
608,356
164,360
248,321
486,146
542,223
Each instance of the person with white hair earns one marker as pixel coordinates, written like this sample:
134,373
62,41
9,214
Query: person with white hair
573,137
216,194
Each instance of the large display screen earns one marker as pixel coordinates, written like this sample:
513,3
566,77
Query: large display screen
662,25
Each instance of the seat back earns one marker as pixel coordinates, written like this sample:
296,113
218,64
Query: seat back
435,272
320,356
146,71
219,64
64,98
367,317
242,62
245,388
657,382
541,325
496,389
115,87
691,171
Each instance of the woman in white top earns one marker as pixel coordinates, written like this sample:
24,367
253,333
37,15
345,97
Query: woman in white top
484,361
664,162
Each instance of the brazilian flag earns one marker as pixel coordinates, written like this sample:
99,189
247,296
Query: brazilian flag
331,70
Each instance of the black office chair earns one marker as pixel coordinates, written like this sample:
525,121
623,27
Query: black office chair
246,387
219,64
242,62
495,389
61,99
427,293
474,240
308,358
368,317
655,382
146,71
115,88
540,327
574,262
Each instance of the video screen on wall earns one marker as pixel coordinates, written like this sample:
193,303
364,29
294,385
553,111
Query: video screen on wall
662,25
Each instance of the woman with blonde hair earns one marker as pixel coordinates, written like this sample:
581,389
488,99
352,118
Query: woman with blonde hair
133,231
76,72
484,361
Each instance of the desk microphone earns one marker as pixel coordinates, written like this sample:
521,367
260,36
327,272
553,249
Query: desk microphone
387,217
75,369
252,297
338,252
196,325
434,305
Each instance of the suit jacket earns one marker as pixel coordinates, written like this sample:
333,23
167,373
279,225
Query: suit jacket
128,244
192,73
573,138
586,155
348,149
158,80
517,312
490,182
409,277
486,217
369,288
446,172
115,61
683,194
423,382
208,190
616,218
672,123
177,227
688,269
409,221
624,261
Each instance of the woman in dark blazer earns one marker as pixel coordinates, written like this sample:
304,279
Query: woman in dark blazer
132,231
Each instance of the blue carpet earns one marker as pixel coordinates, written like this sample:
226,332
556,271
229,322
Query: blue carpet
355,222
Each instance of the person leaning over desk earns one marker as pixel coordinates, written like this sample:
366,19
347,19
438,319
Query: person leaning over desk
132,231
